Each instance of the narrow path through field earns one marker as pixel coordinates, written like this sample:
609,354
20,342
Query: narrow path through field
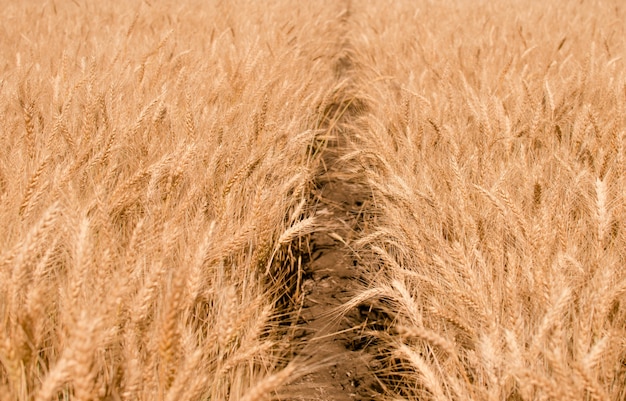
330,340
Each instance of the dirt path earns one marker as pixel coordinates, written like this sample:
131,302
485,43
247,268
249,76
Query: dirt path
330,340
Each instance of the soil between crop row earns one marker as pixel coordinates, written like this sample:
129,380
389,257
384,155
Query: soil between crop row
327,336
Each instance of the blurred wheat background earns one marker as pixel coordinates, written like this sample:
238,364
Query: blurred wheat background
156,167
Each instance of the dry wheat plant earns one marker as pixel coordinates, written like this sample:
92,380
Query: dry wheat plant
495,150
155,162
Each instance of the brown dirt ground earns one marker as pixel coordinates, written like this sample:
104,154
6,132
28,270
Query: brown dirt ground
330,340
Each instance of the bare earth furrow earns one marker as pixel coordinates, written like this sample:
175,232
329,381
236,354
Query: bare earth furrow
327,331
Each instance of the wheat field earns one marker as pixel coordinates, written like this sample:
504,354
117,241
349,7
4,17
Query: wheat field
159,165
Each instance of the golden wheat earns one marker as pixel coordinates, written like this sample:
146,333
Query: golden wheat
158,163
500,190
148,159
